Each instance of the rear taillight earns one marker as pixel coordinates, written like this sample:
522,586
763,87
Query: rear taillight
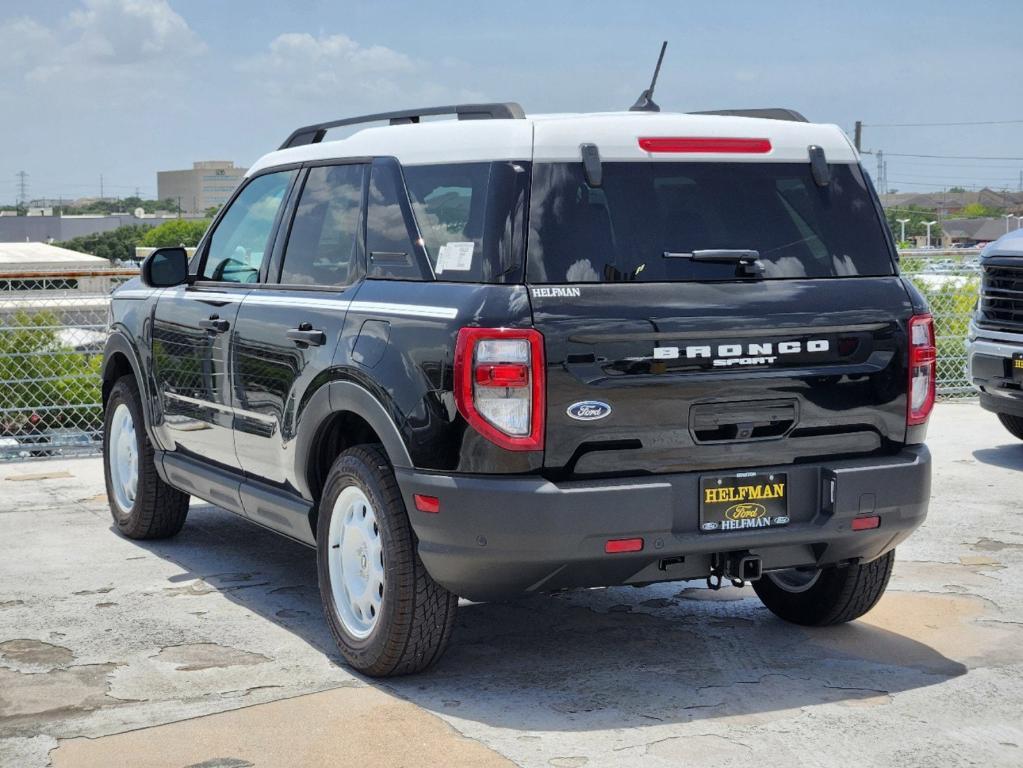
499,385
923,357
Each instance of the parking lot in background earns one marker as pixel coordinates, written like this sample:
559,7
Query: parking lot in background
210,649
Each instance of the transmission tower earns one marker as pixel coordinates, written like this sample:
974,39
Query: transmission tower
22,188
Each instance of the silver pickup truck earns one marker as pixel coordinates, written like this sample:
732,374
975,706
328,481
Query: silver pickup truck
996,332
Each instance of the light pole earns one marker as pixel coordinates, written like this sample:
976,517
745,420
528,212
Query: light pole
1019,222
928,224
903,222
1007,217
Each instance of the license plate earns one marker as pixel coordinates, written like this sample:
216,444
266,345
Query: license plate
743,501
1016,366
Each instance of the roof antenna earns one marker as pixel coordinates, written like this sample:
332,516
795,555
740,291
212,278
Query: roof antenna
645,102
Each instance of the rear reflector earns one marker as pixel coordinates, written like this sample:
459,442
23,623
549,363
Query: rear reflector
614,546
709,145
429,504
866,523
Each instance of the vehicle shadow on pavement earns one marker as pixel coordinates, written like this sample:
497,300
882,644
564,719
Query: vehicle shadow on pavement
582,660
1008,456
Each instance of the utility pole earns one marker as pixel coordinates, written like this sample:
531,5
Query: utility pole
101,186
22,189
880,171
857,135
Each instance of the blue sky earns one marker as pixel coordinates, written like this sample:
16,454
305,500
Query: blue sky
124,88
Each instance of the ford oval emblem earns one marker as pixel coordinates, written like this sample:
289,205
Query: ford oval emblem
589,410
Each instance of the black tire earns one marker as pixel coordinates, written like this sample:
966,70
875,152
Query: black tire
838,595
1012,423
416,614
158,511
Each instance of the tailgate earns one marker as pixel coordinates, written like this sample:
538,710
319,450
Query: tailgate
668,377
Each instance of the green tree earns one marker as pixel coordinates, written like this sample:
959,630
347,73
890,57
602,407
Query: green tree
113,245
38,370
978,210
175,232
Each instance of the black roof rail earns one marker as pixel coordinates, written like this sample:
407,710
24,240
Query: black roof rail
313,134
770,113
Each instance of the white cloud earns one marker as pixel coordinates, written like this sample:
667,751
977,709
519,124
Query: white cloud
299,64
102,39
131,31
298,67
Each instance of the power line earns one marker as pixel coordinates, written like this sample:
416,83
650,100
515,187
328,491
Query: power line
952,157
940,125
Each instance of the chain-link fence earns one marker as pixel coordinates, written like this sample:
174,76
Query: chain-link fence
53,328
52,333
951,282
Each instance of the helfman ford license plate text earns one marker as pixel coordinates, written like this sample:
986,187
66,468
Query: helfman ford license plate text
744,500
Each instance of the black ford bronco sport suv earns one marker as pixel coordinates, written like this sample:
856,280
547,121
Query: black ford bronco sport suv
501,354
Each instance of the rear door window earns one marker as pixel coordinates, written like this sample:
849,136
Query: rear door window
390,230
622,230
326,233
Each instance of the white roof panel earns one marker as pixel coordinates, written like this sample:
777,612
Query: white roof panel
547,138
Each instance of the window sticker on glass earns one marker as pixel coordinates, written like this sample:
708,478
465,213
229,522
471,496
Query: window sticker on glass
456,257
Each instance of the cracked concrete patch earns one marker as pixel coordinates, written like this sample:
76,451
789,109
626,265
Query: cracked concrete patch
192,589
705,751
378,729
994,545
198,656
32,476
29,699
222,762
945,630
716,595
30,653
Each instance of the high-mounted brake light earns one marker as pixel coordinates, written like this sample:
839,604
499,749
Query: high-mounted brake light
923,355
499,385
705,145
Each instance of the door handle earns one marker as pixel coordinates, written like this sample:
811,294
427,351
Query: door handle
214,324
306,335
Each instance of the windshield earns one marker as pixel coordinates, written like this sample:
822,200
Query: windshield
622,230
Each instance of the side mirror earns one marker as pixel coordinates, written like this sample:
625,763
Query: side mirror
165,268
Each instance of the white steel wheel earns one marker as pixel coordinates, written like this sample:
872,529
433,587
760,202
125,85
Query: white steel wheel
123,457
355,562
795,580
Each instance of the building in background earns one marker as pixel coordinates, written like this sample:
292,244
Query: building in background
208,184
44,229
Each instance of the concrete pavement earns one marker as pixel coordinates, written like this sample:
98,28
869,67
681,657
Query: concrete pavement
210,650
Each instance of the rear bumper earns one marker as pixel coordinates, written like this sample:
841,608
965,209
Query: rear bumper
497,536
989,363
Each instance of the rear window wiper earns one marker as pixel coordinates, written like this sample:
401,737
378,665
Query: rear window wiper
748,261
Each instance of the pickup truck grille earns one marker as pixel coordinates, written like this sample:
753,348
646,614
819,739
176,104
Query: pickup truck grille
1001,298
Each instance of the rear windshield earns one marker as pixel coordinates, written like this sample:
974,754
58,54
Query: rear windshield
621,230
